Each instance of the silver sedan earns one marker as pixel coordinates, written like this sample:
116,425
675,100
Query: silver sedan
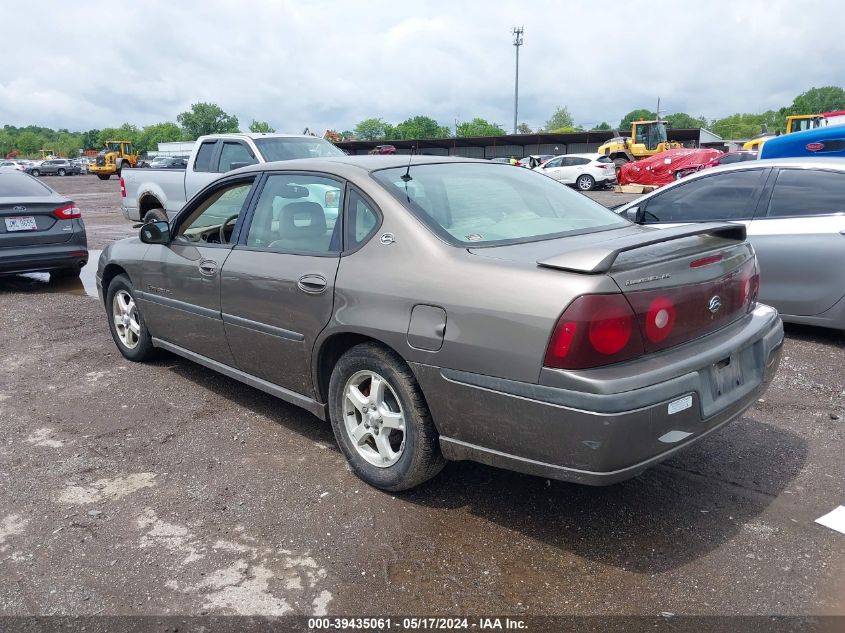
445,309
794,212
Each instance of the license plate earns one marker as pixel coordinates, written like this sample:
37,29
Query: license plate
25,223
727,376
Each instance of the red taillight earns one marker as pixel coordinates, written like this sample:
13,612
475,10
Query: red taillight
594,330
698,263
68,212
602,329
122,188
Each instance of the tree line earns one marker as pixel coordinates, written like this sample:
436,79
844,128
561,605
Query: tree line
202,118
209,118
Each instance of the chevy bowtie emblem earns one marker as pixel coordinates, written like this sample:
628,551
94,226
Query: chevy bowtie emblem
19,208
715,304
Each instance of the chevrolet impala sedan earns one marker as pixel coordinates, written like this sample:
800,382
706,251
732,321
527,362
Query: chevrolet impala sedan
435,309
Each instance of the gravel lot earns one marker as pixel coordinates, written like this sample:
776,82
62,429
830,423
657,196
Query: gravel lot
164,488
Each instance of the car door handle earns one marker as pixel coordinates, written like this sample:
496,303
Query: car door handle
312,284
208,267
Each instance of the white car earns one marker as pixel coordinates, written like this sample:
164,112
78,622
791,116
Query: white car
585,171
13,164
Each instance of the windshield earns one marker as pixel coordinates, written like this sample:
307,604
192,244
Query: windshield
281,148
485,204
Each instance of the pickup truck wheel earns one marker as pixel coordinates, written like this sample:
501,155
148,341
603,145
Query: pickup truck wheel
126,323
154,215
381,421
102,176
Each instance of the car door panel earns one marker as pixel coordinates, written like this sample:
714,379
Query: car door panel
271,322
277,289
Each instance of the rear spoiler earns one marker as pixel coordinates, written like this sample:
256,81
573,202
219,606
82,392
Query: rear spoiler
600,258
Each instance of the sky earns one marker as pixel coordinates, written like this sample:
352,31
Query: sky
322,64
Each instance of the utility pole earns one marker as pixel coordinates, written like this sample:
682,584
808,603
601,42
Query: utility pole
658,109
517,42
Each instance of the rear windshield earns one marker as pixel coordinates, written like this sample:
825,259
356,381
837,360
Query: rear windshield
280,148
603,159
17,185
487,204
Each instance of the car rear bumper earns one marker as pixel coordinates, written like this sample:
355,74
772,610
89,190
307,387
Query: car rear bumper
44,257
610,424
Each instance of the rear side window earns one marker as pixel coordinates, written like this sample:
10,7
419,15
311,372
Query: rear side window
725,196
362,220
20,186
579,161
804,192
203,161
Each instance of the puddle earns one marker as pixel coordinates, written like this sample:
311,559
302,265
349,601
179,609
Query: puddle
86,284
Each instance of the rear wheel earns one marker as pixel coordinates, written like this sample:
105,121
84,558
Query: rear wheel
61,172
381,421
585,182
126,323
154,215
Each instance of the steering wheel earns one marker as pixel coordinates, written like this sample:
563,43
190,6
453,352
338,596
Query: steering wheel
223,239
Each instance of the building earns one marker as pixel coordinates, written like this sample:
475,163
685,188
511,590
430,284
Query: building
520,145
178,149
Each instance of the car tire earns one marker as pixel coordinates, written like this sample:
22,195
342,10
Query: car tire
35,173
417,458
137,344
66,273
61,172
585,182
155,215
103,176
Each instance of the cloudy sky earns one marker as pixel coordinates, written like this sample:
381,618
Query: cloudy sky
321,64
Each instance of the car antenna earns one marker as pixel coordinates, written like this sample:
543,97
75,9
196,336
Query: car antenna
407,175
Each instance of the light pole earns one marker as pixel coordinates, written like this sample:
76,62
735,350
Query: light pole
517,42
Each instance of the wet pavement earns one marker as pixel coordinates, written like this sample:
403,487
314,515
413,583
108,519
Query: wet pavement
165,488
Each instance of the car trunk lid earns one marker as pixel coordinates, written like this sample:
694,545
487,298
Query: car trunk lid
28,221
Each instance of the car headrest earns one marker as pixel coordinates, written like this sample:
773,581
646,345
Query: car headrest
302,219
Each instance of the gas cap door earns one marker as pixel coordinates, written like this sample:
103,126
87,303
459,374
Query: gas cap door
427,327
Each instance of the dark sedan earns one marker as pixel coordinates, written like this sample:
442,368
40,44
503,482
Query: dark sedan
40,230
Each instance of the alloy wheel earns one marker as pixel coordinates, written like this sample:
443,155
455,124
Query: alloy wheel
373,418
127,322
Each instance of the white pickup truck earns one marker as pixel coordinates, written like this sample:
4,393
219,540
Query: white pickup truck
158,194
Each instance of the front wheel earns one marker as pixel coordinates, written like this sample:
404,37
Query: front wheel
381,421
126,323
35,172
154,215
585,182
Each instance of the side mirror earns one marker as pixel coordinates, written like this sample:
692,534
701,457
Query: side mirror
156,233
233,166
634,215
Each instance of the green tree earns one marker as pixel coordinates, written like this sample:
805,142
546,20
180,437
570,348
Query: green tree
601,127
347,135
818,100
684,120
636,115
126,132
561,119
207,118
421,127
479,127
524,128
740,126
68,144
152,135
371,129
89,139
260,126
28,142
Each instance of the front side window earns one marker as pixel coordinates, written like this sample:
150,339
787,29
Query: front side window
234,152
555,162
213,221
803,192
298,213
725,196
485,204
